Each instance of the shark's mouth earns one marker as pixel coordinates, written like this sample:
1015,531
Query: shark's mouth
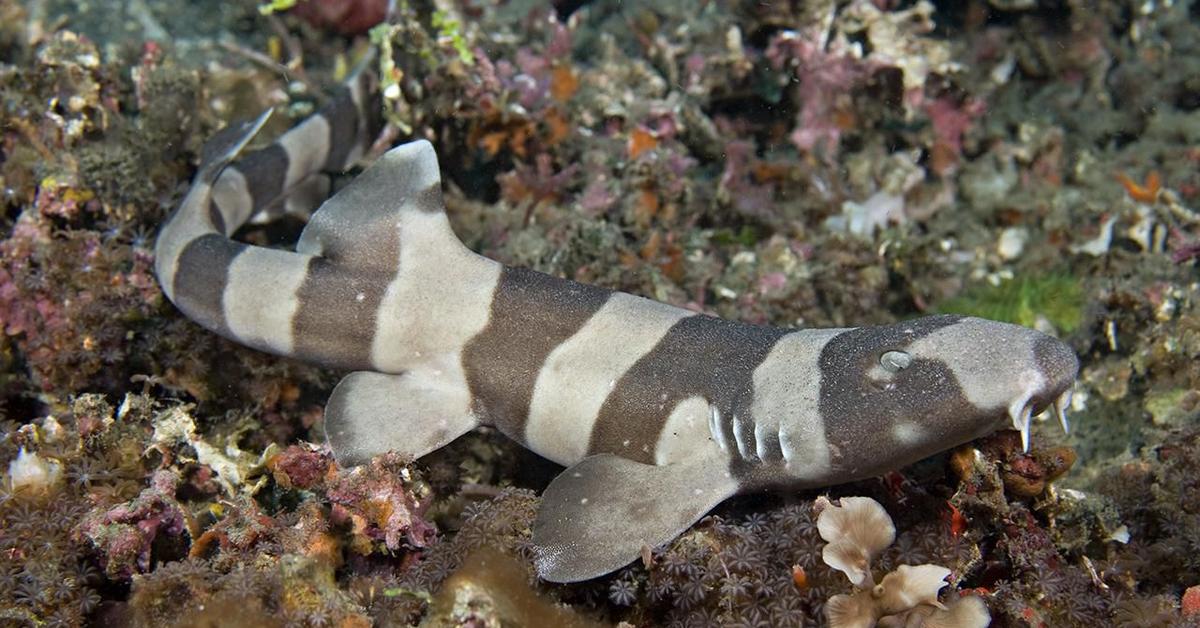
1021,412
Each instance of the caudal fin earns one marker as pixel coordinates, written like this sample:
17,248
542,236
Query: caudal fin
226,193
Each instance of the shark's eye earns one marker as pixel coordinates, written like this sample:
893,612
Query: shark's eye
894,361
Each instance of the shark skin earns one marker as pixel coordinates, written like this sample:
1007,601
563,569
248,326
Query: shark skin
659,413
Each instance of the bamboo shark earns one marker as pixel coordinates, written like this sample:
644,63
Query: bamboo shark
659,413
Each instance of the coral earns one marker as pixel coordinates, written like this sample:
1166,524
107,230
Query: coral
1001,458
47,571
1191,601
908,586
491,588
962,612
1145,613
29,472
854,532
125,533
191,589
500,523
67,301
950,120
374,500
623,592
1158,499
761,566
299,467
828,71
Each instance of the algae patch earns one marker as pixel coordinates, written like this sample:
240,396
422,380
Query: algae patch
1057,298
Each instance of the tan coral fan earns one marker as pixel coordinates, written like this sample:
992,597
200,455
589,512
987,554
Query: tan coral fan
966,612
856,531
908,586
857,610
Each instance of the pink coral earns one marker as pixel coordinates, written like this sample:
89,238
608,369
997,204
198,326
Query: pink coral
537,183
66,300
748,196
1191,601
124,534
825,76
374,500
299,466
950,118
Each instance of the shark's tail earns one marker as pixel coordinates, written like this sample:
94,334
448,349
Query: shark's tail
289,175
340,295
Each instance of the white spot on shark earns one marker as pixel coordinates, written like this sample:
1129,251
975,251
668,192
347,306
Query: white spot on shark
907,432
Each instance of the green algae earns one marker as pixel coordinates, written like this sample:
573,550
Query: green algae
1057,297
451,29
275,6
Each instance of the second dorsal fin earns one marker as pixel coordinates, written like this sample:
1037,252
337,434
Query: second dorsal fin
363,222
227,144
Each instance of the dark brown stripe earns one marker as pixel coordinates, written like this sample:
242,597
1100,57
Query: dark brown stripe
224,144
859,415
332,325
306,196
429,200
265,172
302,199
215,218
370,111
531,314
343,118
700,356
200,279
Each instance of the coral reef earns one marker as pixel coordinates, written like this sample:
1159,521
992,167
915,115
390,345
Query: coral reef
826,163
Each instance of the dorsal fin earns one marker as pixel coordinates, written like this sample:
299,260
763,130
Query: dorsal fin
227,144
349,226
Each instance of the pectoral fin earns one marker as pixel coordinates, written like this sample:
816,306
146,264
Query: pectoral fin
413,413
596,516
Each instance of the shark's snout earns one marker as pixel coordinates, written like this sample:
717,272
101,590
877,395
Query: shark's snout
1058,365
1047,385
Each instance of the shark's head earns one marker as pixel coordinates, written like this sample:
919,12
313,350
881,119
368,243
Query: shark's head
896,393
